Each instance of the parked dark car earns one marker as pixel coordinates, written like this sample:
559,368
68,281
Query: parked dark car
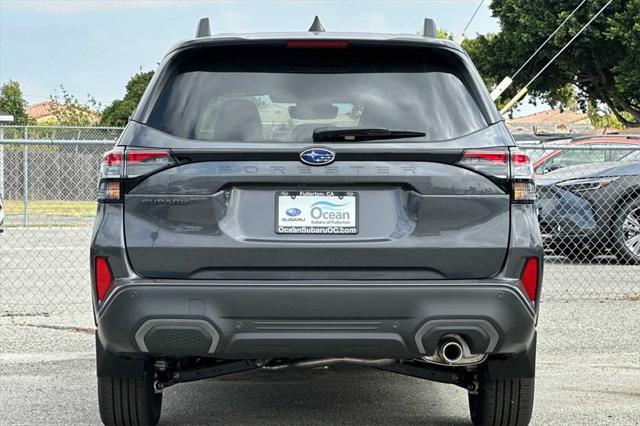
299,200
593,209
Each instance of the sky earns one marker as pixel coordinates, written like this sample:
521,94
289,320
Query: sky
95,46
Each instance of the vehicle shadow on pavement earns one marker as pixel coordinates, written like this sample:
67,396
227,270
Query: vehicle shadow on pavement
339,395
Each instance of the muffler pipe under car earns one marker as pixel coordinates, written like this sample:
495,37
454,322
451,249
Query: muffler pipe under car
451,350
326,362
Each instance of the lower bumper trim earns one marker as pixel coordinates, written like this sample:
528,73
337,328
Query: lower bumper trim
316,321
177,335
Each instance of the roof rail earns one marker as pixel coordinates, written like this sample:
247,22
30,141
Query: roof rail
203,30
430,29
316,27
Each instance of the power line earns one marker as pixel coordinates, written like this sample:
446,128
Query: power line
547,40
524,90
473,16
507,81
569,43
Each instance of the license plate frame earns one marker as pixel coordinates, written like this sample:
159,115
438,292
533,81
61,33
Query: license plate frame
338,212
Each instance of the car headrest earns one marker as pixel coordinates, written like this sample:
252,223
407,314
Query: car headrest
238,120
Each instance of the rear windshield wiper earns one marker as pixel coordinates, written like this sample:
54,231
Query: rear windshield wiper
362,134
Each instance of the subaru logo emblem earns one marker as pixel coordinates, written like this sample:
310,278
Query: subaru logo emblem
293,212
317,156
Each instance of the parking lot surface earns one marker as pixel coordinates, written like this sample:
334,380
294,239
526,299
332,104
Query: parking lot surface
588,373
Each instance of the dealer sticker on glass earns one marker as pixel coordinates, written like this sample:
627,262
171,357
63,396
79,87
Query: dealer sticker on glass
316,212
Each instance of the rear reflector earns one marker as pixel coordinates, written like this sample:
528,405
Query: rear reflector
103,277
318,44
529,277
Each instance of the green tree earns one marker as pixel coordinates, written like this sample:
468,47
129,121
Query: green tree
602,63
67,110
118,113
444,34
12,102
603,118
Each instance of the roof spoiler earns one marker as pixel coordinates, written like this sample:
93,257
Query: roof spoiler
204,29
430,29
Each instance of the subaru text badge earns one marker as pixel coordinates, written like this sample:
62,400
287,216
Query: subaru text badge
317,156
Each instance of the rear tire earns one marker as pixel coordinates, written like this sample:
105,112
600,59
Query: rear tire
507,402
626,234
127,401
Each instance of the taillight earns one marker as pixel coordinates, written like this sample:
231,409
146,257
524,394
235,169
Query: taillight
142,162
529,277
521,167
109,186
504,164
523,187
103,277
490,162
119,164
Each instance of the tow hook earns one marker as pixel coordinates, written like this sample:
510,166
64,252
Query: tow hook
159,375
474,385
160,365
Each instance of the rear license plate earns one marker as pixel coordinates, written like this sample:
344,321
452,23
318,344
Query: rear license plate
316,212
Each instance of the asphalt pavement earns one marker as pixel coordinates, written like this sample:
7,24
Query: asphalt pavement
588,373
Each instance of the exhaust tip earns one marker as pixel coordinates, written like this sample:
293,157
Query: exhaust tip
451,352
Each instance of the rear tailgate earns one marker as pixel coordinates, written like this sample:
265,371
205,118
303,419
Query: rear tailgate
212,218
237,118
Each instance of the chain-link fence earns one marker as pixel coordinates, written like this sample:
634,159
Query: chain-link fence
589,211
48,181
589,214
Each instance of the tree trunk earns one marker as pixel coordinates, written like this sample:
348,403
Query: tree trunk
618,105
634,113
614,109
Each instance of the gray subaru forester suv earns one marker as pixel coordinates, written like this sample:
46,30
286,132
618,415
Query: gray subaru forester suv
297,200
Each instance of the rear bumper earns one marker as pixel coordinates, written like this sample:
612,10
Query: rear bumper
265,320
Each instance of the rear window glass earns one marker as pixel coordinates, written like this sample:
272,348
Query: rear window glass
277,94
